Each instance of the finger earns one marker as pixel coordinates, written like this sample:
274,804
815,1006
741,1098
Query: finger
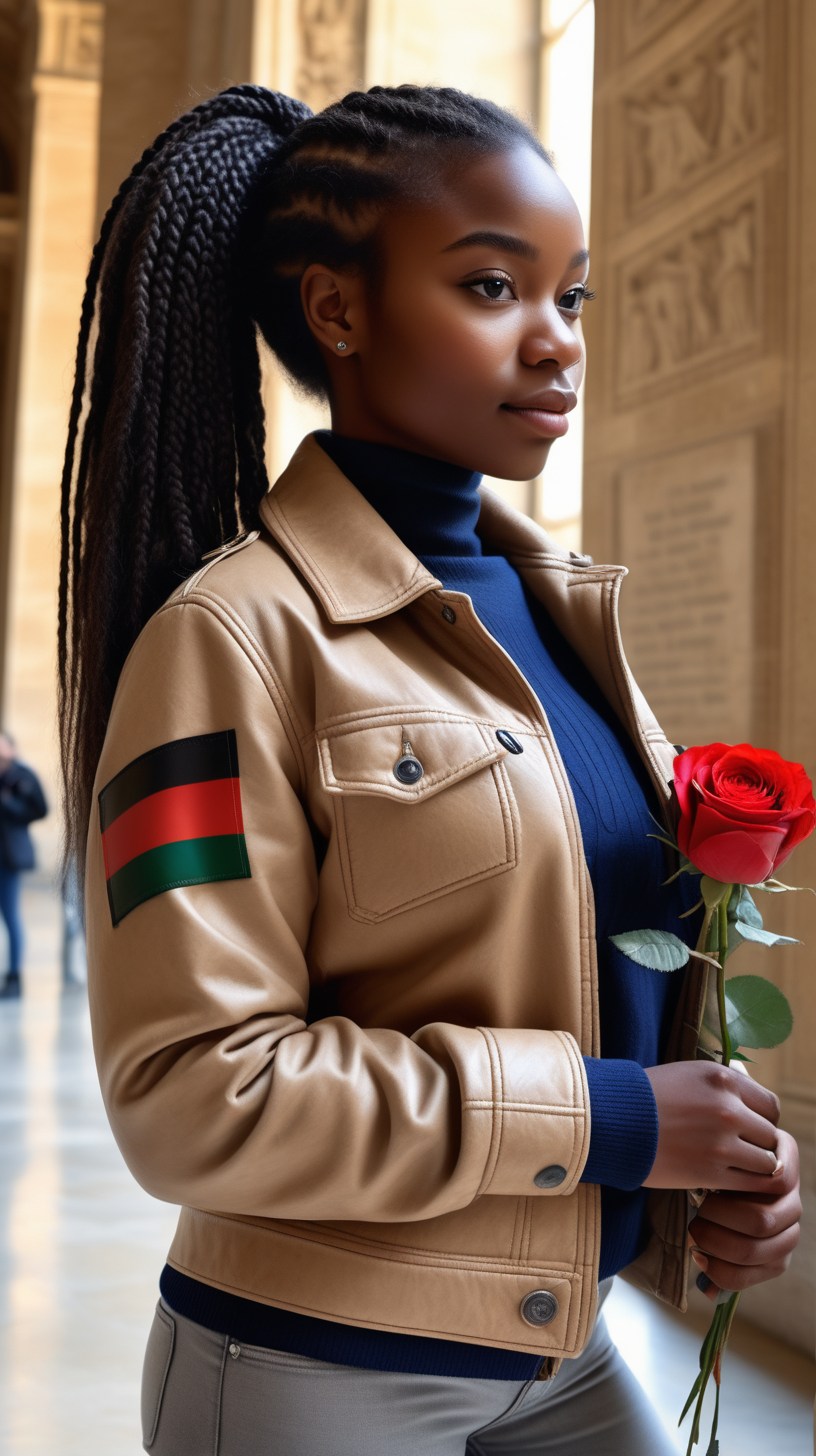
752,1128
757,1097
737,1180
750,1158
738,1276
713,1242
760,1218
785,1171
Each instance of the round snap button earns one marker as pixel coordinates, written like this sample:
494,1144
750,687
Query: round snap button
508,741
551,1176
539,1308
408,770
449,614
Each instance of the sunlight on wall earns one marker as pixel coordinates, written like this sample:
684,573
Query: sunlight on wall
566,130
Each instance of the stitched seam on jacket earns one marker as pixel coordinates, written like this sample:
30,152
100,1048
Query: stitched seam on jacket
381,1324
554,1110
395,714
615,649
384,1254
527,1232
496,1109
577,1100
373,915
382,607
237,629
431,780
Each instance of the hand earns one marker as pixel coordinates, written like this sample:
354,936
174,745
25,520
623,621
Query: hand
740,1239
717,1129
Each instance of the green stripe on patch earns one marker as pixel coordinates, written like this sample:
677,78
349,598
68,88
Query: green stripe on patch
169,866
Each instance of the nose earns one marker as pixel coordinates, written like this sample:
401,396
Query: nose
551,340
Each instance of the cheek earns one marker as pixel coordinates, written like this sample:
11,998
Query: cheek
577,372
438,352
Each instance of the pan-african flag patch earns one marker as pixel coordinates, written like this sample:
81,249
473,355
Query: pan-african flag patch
171,818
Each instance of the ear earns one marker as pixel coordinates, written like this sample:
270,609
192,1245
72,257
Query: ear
332,304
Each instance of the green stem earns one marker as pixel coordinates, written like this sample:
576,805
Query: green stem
722,951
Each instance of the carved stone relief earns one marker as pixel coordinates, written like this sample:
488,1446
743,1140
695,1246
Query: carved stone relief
696,114
644,19
332,41
70,39
696,295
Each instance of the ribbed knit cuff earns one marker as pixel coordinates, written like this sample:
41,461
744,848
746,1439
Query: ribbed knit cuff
623,1140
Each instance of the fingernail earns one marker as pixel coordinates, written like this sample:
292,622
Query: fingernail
704,1283
778,1169
700,1260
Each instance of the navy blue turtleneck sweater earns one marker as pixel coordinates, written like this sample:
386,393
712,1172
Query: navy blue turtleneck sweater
433,507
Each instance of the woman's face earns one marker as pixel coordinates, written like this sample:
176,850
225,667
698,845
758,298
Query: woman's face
470,347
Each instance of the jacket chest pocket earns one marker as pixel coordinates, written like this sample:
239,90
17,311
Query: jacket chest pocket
423,807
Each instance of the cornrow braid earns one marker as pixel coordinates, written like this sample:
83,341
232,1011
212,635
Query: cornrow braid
207,239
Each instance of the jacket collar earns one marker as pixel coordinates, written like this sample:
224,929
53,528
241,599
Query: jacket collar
356,565
360,570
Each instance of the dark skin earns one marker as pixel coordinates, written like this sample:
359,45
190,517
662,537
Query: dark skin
469,349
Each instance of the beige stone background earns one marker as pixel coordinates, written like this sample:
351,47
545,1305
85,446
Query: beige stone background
702,344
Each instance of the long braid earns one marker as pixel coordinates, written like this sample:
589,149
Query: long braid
207,238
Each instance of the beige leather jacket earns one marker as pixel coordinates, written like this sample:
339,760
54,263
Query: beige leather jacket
373,1157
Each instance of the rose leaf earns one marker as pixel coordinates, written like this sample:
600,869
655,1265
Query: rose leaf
763,937
658,950
741,907
757,1013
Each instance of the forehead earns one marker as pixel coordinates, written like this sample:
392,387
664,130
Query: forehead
514,191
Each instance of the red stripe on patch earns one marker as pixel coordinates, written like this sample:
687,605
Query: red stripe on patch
190,811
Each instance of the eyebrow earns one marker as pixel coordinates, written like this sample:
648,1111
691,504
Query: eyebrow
509,243
505,241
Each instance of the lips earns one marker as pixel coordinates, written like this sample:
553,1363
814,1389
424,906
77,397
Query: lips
547,415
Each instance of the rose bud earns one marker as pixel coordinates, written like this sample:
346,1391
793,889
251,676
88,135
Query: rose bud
743,810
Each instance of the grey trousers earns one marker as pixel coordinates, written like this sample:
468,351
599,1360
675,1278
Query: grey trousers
203,1394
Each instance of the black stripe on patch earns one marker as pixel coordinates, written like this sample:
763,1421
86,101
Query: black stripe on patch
184,761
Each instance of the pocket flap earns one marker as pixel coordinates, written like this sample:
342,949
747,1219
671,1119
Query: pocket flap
360,758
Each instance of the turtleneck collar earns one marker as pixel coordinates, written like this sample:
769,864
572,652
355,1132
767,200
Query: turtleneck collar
431,505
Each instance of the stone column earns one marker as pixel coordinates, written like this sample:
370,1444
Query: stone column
13,129
58,238
702,353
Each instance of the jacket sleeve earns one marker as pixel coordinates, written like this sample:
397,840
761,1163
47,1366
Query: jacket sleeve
219,1093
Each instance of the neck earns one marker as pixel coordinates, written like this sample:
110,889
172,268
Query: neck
431,505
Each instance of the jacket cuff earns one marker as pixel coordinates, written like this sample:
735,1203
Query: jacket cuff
623,1143
539,1111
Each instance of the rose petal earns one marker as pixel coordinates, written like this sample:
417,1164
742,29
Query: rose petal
733,855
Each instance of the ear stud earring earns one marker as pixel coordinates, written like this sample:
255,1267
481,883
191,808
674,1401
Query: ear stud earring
341,345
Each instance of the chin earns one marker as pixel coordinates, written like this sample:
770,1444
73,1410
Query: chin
511,466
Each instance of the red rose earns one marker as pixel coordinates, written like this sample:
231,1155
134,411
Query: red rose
743,810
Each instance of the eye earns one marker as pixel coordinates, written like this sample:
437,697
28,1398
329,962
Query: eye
574,299
497,289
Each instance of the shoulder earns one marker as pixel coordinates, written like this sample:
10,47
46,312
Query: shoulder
246,577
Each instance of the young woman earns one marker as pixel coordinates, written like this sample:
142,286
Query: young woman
369,787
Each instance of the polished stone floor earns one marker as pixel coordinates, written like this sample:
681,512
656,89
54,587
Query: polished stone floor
82,1247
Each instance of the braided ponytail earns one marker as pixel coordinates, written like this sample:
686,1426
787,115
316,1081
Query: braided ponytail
209,236
171,452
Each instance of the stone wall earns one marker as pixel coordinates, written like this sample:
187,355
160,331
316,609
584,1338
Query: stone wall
700,420
56,113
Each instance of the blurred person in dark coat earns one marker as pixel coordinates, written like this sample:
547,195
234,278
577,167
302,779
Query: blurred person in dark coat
21,802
